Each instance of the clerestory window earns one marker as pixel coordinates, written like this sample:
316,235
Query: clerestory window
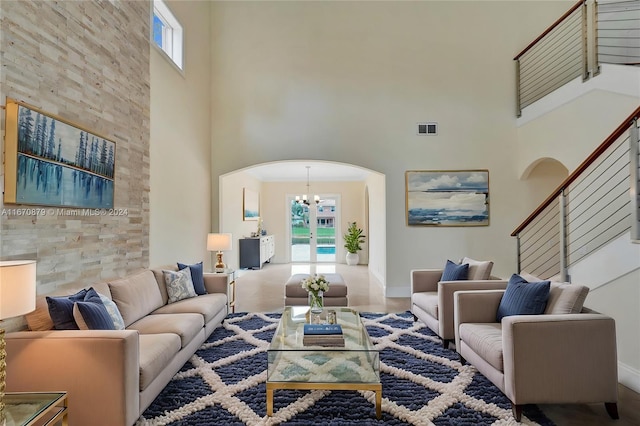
167,32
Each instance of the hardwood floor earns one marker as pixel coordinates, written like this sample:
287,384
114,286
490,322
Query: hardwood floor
263,291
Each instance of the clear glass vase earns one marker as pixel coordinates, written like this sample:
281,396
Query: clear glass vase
316,302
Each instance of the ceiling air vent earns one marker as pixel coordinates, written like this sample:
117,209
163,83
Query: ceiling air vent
427,129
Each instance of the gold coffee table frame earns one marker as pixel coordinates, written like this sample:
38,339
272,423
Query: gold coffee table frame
286,350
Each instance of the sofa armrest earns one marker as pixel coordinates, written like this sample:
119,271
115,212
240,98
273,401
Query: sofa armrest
425,280
475,306
560,358
98,369
446,289
215,283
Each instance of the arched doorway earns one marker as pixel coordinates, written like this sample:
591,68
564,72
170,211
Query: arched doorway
362,199
541,178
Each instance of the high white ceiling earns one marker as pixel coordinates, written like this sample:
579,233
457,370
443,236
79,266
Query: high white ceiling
296,170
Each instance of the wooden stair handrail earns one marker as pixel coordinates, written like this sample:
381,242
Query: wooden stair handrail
548,30
581,168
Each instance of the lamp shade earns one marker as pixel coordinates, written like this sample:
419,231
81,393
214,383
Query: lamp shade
17,288
219,242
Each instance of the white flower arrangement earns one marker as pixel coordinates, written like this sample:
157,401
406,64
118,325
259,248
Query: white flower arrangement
316,284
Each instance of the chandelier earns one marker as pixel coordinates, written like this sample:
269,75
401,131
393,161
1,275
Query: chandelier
303,199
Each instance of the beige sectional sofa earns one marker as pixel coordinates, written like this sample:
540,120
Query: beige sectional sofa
112,376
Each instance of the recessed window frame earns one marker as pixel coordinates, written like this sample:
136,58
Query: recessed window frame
172,37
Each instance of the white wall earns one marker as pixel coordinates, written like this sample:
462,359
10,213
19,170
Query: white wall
377,220
620,299
573,130
348,81
180,148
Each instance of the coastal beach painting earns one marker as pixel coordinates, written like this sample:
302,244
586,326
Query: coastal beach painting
50,161
447,198
250,205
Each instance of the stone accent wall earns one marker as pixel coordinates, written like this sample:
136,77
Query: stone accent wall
87,62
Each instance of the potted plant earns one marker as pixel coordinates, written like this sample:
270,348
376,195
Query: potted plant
352,240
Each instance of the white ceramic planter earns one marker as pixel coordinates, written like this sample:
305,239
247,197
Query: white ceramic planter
352,259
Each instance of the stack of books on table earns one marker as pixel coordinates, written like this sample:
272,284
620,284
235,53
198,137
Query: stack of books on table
327,335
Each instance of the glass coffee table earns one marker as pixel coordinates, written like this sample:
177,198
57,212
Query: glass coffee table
30,408
291,365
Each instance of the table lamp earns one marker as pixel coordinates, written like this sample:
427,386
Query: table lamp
219,243
17,297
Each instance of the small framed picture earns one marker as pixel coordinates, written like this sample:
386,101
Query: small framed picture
250,205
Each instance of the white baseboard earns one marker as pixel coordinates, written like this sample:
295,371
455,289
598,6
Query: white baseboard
629,376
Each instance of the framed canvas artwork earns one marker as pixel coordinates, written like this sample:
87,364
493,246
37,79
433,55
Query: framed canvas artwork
447,197
250,205
51,161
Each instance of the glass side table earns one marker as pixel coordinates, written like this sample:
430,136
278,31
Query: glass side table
29,408
231,287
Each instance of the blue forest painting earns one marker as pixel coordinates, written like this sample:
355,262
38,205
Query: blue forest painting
447,198
59,164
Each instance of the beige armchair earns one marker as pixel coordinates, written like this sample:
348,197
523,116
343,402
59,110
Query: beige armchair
432,299
540,359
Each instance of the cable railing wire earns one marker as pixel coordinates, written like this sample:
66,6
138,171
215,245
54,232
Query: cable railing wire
549,61
618,32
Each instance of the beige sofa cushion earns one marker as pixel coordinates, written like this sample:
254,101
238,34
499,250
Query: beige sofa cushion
209,305
156,351
478,269
566,298
157,272
187,326
136,296
485,339
427,301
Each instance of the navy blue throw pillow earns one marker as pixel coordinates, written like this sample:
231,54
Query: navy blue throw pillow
523,298
95,315
454,272
61,308
197,277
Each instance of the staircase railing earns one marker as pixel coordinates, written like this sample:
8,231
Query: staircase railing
553,59
598,202
588,34
618,32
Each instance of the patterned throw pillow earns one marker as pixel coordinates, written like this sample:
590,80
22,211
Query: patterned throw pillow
114,312
197,276
179,284
454,272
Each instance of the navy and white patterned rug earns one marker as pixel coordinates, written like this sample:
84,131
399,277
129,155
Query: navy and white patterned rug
422,383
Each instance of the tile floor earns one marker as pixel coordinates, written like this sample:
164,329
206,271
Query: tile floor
263,291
